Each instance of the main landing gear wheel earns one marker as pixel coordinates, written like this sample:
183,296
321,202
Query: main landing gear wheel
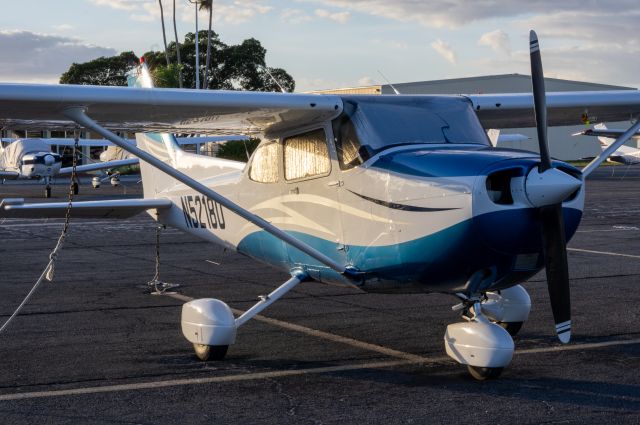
484,373
47,192
512,327
210,352
76,188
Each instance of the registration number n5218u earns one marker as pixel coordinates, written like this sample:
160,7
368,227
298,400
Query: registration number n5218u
202,212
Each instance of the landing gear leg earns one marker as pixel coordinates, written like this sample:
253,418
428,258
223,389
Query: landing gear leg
484,347
508,308
47,189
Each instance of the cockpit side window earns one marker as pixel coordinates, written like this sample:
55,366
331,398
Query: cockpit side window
347,142
306,155
264,166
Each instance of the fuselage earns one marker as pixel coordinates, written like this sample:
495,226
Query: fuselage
411,217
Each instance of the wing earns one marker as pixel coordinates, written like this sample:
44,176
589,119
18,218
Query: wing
121,208
566,108
100,166
164,110
9,175
612,134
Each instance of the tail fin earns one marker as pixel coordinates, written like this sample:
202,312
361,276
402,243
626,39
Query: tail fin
161,145
165,147
494,135
604,141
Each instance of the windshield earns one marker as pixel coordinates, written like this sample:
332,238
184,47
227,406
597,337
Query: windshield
368,125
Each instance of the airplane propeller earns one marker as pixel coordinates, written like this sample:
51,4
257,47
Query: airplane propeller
553,187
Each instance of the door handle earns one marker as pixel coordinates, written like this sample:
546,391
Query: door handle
336,183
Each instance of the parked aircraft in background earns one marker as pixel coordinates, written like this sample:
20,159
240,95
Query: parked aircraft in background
32,158
390,194
624,154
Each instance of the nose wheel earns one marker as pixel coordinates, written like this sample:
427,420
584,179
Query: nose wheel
484,373
47,192
210,352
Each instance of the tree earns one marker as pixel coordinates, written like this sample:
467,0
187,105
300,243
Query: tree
175,32
164,32
104,71
238,150
207,5
234,67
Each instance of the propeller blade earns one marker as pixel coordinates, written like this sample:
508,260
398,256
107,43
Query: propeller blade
557,268
539,101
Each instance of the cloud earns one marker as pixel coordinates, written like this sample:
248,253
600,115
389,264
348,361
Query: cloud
116,4
63,27
294,16
341,17
366,81
233,12
444,50
498,40
455,13
33,57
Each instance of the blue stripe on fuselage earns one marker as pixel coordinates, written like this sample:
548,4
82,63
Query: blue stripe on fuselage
438,262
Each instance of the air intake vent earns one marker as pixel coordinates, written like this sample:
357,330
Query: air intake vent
499,186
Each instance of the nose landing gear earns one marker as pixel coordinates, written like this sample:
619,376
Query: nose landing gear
47,188
484,347
484,342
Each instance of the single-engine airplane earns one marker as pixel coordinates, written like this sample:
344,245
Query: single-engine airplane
399,193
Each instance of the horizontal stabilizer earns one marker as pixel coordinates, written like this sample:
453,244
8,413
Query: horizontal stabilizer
100,166
116,208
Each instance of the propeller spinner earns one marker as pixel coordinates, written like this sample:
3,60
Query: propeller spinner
547,187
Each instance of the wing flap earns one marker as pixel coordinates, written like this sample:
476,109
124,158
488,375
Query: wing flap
515,110
118,208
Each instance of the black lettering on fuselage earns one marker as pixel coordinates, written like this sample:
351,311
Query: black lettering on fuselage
200,211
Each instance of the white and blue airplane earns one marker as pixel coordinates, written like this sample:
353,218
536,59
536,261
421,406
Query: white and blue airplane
390,194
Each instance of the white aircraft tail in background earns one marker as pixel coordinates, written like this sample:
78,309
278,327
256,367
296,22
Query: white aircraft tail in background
495,137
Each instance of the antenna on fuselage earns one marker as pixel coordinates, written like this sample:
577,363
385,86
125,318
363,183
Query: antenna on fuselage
388,82
274,79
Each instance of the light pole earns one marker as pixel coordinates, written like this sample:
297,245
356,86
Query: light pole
197,70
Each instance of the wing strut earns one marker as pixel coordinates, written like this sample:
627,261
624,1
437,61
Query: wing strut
611,148
78,114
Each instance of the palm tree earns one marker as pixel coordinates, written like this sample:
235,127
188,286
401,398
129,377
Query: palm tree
207,5
164,33
175,32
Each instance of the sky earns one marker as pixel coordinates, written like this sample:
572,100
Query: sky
327,44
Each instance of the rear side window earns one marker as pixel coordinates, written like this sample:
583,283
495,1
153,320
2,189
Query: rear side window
264,166
306,155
